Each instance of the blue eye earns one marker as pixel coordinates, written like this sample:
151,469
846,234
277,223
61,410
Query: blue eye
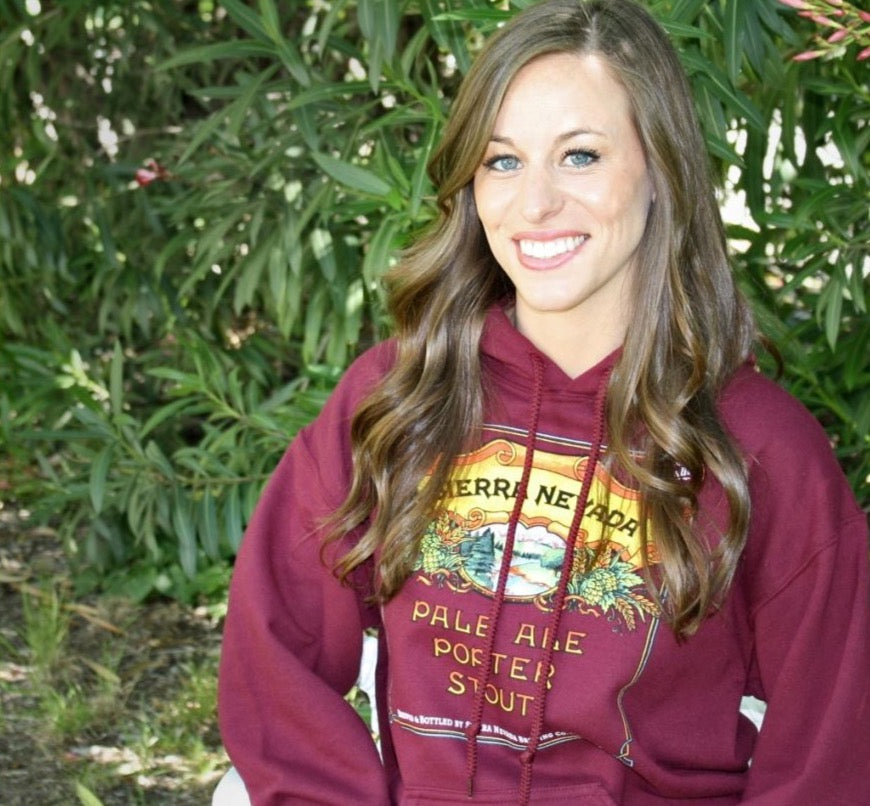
580,158
502,162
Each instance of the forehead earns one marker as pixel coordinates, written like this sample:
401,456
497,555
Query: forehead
562,89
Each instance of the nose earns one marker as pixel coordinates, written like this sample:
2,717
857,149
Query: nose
541,195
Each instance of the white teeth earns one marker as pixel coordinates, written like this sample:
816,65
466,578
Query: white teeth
552,248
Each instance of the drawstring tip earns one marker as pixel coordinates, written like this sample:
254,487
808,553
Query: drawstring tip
471,732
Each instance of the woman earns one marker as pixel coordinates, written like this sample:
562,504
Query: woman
582,522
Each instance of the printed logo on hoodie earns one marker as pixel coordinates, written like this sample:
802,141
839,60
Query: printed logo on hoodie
463,547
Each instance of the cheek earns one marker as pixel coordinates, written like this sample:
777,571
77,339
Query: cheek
483,202
492,198
622,201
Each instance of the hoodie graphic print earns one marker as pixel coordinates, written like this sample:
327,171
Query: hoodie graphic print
447,610
463,550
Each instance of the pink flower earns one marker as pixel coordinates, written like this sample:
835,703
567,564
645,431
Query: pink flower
864,15
837,36
145,177
864,54
794,3
152,171
819,19
807,55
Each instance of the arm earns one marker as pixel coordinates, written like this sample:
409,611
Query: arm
812,656
803,578
293,639
813,663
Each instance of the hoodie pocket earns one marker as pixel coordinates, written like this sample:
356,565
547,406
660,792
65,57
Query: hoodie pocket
592,794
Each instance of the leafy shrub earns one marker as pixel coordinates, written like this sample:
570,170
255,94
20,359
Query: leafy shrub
198,200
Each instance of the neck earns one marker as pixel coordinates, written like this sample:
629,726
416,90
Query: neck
573,345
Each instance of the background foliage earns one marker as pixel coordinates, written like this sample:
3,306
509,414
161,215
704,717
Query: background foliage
197,200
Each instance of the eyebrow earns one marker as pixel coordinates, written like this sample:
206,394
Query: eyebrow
569,135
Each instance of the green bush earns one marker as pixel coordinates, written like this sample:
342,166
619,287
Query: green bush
198,200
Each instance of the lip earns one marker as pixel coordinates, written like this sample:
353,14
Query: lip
543,263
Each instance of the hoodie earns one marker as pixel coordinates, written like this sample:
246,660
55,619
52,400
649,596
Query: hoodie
524,660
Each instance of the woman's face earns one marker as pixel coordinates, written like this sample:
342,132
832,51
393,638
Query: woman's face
563,195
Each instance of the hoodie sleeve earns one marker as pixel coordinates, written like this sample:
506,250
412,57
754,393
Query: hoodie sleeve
806,563
813,661
293,634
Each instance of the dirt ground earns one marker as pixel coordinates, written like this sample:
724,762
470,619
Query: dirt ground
107,716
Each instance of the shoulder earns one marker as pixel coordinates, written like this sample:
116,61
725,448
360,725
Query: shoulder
801,499
359,381
375,362
367,370
328,434
322,449
769,423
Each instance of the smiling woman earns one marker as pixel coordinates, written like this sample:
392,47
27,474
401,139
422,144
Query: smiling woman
582,523
563,197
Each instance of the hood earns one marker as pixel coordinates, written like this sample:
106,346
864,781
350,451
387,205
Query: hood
509,354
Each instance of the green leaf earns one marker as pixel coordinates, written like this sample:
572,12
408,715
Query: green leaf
287,51
232,519
379,23
493,16
353,176
420,180
680,30
862,423
166,412
185,532
158,458
343,91
233,115
209,532
315,314
98,476
377,256
308,127
116,381
709,75
239,110
769,14
251,272
85,796
203,132
757,45
447,34
856,368
736,16
322,247
234,49
687,11
831,303
246,18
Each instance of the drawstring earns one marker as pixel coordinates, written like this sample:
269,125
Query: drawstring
473,729
527,757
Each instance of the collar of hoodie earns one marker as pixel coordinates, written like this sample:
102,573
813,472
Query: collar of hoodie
508,354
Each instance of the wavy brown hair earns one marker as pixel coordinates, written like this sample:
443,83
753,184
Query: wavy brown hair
690,328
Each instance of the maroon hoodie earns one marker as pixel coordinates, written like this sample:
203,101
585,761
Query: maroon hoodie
476,699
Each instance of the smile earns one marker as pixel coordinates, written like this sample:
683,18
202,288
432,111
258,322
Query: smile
552,248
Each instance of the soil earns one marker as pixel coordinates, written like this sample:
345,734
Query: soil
138,655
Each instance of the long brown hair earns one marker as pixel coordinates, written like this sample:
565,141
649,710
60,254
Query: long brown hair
690,328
